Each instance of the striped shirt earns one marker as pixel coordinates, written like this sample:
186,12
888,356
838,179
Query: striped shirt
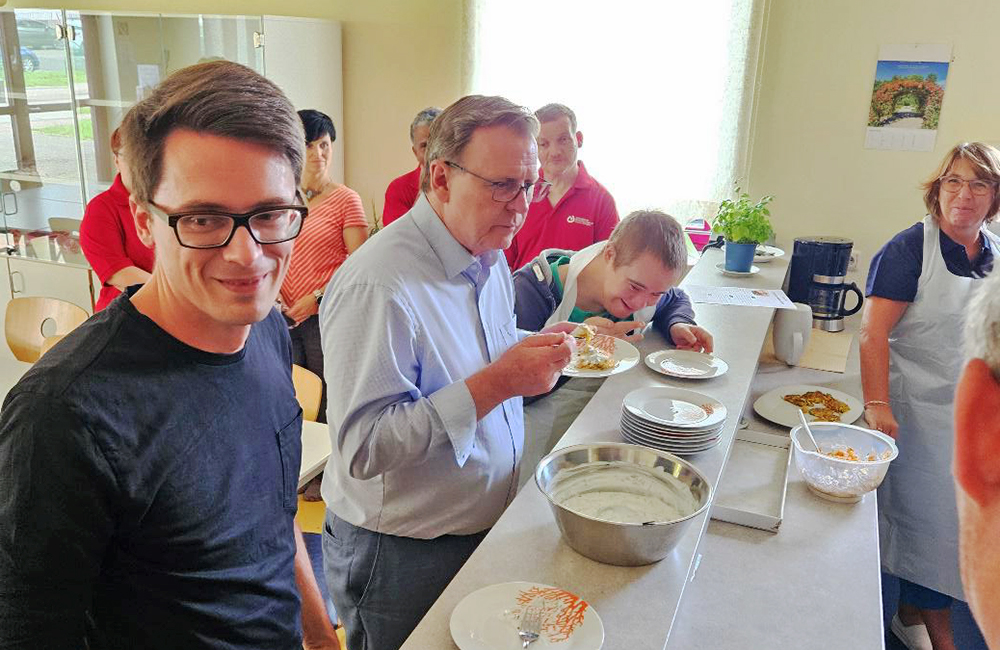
319,249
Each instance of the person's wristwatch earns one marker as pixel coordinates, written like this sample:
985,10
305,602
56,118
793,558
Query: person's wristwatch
318,295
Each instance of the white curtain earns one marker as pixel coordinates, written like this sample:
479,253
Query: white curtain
663,91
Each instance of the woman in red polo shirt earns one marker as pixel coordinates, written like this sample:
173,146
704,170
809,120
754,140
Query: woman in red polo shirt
336,226
108,237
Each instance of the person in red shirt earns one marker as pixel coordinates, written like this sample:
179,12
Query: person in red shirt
108,237
579,211
402,192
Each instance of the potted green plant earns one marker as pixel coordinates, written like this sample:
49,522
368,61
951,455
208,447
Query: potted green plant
744,224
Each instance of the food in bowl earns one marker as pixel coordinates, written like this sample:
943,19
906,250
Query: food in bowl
843,479
849,454
650,538
622,493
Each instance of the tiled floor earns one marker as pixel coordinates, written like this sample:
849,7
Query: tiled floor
966,632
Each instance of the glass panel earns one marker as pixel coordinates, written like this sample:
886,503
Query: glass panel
8,159
39,158
116,59
191,39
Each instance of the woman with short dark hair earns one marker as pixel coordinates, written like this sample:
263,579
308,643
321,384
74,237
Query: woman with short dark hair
336,227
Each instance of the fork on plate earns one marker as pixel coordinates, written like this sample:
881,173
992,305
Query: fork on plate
530,626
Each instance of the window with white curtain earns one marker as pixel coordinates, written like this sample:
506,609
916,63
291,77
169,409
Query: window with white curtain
662,90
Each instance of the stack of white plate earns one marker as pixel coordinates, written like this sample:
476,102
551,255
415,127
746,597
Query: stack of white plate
672,419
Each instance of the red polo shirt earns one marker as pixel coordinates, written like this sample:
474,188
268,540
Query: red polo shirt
586,214
400,196
109,240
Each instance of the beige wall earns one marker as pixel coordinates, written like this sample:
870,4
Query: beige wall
819,66
399,56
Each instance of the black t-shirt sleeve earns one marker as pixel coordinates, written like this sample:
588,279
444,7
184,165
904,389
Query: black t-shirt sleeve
895,269
56,522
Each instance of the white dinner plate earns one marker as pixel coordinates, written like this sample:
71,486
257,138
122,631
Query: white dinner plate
680,450
686,364
771,405
675,407
765,254
487,619
667,430
656,440
754,270
647,433
626,356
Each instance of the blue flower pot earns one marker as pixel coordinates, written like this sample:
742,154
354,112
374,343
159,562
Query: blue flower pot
739,257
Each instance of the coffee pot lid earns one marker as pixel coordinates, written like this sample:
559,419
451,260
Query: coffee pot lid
825,239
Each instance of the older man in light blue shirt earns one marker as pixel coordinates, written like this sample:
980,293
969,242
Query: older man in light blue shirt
426,372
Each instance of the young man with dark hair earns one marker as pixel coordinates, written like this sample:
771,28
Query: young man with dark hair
150,460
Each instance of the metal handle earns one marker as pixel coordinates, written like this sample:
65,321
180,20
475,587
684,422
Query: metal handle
13,198
16,274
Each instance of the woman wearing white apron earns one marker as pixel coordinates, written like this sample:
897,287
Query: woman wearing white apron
616,286
911,350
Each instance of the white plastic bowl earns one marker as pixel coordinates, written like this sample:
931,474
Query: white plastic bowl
842,480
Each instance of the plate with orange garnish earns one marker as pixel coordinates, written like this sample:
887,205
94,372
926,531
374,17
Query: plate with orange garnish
488,619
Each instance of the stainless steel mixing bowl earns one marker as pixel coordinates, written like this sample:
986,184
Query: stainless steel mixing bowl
612,542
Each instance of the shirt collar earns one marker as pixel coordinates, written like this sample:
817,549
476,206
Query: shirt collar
453,256
583,179
118,190
979,266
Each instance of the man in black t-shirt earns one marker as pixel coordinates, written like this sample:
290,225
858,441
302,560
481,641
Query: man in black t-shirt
149,462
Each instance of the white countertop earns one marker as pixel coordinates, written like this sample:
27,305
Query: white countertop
815,584
637,605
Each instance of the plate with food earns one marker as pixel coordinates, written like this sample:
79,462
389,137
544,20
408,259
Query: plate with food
686,364
817,403
765,254
488,619
599,355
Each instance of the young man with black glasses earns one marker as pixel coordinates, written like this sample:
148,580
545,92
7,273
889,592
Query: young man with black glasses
150,460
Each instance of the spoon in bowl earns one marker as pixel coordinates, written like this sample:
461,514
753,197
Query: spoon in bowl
805,425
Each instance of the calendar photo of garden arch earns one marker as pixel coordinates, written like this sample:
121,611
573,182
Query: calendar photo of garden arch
908,94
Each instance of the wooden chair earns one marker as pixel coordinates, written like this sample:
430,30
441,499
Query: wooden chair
308,391
48,342
30,320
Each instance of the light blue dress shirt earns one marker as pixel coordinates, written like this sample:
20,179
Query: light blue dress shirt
407,318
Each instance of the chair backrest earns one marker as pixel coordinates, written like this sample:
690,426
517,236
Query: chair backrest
308,391
48,342
30,320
